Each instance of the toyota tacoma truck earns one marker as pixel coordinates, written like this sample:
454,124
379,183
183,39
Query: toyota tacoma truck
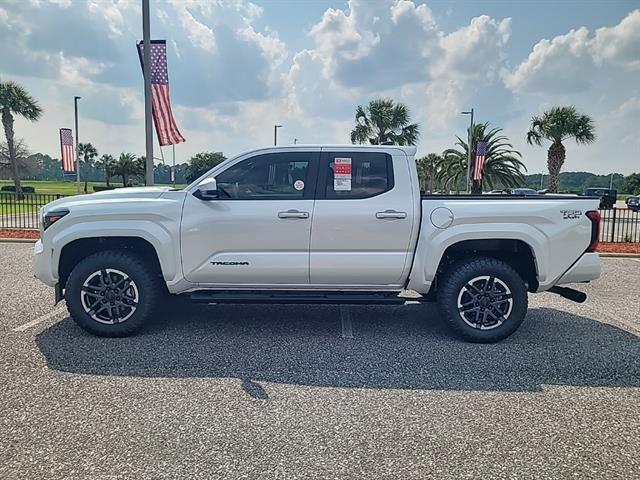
314,224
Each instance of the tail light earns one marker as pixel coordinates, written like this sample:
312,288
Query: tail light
594,216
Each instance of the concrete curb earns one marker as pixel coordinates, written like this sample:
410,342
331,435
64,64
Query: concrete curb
18,240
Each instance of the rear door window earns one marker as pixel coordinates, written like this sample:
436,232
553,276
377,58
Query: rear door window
355,175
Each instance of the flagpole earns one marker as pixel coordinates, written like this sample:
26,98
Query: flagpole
75,108
469,147
146,66
173,146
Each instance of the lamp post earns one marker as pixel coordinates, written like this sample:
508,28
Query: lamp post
470,112
146,70
275,134
75,110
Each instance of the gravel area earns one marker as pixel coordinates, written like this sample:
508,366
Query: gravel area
257,391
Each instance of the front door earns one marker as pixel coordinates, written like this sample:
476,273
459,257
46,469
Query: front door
257,232
363,219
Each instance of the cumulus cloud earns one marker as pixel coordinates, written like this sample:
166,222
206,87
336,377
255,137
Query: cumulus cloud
555,65
395,48
573,61
376,44
619,44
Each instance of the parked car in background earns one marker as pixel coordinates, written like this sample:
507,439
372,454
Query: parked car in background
522,191
607,196
633,203
516,191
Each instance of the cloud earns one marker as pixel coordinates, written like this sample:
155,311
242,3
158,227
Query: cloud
619,44
556,65
376,44
395,48
573,62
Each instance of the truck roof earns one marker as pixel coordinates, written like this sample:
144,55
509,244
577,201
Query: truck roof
409,150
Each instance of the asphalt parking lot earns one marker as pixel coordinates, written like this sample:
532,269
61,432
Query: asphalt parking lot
320,391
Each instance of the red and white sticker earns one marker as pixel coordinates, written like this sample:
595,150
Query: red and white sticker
342,174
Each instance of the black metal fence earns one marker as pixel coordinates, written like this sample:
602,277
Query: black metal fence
21,211
619,225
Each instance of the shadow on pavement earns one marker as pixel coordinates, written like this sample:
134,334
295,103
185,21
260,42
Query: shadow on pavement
394,347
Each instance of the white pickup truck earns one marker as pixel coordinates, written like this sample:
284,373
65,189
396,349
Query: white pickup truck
310,224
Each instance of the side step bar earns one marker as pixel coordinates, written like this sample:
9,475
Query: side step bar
301,297
569,293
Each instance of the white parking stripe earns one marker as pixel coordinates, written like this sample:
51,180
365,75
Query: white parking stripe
38,320
345,318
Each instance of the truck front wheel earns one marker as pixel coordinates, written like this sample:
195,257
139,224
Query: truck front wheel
112,293
483,300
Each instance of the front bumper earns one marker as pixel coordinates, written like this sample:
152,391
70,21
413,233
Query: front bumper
43,264
587,268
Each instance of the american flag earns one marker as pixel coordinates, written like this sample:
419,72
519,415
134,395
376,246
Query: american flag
481,151
68,153
166,128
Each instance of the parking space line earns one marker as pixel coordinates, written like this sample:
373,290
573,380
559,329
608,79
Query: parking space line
40,319
345,319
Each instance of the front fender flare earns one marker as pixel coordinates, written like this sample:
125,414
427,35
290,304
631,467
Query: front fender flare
153,233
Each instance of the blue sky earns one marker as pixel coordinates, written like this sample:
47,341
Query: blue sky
237,67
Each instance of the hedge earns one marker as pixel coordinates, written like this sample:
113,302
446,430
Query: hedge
12,188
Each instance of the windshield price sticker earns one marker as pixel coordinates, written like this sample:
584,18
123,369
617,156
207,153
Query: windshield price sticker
342,174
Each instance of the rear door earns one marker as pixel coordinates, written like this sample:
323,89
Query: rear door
363,219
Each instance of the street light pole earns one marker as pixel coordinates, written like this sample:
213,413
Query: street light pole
275,134
469,137
148,116
75,109
611,182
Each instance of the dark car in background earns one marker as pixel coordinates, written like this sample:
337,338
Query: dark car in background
607,196
633,203
516,191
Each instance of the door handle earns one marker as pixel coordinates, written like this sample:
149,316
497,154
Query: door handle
391,214
293,214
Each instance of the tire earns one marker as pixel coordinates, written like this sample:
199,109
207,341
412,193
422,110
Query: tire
97,285
477,286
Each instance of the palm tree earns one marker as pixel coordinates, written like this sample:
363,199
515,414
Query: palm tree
15,100
383,122
126,166
502,164
107,164
428,168
558,124
88,153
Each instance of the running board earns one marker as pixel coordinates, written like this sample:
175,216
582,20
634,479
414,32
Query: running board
299,297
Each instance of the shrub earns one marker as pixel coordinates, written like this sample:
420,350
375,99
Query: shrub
102,188
12,188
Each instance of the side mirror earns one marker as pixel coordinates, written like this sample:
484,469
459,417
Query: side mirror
207,189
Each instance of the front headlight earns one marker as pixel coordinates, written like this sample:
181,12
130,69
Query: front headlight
53,216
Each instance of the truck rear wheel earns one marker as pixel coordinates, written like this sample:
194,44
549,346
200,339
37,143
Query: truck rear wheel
483,300
112,293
